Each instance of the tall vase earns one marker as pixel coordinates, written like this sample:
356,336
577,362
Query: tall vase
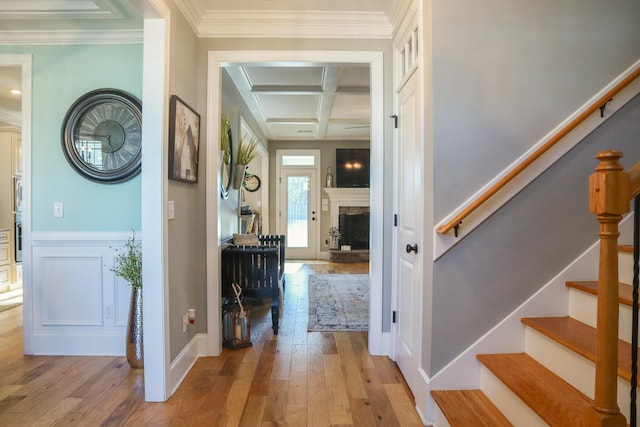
135,353
238,176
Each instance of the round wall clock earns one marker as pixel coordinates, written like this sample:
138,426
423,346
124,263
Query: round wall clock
102,135
252,183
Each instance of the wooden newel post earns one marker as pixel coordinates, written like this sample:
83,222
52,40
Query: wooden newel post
608,199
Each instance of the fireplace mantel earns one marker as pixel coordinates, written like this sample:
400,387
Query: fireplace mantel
345,197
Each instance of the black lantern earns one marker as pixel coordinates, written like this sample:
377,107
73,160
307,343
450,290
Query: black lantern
236,331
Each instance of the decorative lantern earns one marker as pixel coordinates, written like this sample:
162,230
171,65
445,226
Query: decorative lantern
236,328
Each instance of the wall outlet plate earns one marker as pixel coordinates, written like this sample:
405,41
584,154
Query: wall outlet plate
185,322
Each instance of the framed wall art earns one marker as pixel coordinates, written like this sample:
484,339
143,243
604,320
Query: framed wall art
184,141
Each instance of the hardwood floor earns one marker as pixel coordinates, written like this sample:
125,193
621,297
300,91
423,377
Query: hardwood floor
298,378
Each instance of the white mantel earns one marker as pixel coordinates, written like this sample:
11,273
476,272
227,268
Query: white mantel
339,197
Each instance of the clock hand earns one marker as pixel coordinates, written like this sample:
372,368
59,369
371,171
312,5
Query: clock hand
95,135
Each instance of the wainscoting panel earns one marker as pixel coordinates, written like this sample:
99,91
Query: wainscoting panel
80,307
71,291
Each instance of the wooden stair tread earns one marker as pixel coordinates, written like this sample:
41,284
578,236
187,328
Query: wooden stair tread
625,292
557,402
469,408
580,338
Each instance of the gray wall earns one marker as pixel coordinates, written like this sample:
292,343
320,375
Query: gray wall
234,107
505,74
186,233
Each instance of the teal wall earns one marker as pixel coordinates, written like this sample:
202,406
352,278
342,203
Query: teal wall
61,74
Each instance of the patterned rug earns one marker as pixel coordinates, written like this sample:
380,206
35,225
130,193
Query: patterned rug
338,302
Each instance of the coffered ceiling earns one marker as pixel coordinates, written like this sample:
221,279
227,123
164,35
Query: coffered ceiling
310,101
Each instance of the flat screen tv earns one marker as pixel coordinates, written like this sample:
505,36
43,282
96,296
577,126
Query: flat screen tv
352,167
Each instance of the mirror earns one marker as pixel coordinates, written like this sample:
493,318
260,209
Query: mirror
226,158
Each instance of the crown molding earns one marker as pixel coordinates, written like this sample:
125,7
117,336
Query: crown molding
192,10
294,24
65,37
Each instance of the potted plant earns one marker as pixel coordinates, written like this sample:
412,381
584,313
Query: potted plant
247,151
128,265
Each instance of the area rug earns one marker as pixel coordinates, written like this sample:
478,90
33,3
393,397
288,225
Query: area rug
338,302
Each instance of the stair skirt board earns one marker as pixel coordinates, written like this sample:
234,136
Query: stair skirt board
552,299
583,306
571,366
507,402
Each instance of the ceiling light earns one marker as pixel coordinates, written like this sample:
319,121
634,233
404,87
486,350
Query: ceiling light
15,91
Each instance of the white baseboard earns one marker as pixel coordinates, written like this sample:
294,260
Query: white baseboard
183,363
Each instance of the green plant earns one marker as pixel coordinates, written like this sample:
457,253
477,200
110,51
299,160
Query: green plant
128,262
247,151
225,146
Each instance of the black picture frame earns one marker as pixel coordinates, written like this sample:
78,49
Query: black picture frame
184,134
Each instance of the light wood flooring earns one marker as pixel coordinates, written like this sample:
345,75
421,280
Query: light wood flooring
298,378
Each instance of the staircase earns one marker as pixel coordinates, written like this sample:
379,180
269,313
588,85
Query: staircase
554,381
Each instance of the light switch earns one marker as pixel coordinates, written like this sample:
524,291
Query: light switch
58,210
171,209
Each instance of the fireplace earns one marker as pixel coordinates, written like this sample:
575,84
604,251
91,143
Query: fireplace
350,214
353,223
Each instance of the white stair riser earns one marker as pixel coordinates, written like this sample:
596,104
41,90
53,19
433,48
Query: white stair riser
625,267
583,307
507,402
570,366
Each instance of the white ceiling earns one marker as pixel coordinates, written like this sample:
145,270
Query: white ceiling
296,102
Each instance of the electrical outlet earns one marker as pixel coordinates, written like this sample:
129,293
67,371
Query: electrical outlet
185,322
108,311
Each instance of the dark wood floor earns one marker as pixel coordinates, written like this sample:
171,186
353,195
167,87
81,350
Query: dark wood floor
298,378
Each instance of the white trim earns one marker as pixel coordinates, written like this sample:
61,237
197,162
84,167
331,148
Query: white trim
183,363
443,242
154,195
25,62
70,37
294,24
375,60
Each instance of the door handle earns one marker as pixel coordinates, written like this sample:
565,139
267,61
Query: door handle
413,248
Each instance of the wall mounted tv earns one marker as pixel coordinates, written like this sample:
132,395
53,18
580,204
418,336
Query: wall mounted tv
352,167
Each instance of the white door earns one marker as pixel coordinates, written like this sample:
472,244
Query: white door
408,207
298,213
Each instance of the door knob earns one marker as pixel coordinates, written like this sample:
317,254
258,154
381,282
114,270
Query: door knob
413,248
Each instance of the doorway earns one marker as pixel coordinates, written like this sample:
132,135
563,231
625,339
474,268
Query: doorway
297,200
21,270
219,59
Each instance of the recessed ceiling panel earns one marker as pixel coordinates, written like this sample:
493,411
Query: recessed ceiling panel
354,77
285,76
351,107
289,107
293,130
348,131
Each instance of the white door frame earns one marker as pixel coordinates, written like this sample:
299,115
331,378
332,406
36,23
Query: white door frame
218,59
24,61
318,188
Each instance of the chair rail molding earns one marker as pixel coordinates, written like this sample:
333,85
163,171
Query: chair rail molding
443,242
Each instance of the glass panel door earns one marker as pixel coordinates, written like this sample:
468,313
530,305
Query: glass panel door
298,214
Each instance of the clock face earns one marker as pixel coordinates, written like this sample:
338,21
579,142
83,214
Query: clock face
252,183
102,134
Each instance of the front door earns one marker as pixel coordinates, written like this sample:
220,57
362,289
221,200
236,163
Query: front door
408,207
298,216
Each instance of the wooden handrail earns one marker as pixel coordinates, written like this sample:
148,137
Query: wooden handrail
447,227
